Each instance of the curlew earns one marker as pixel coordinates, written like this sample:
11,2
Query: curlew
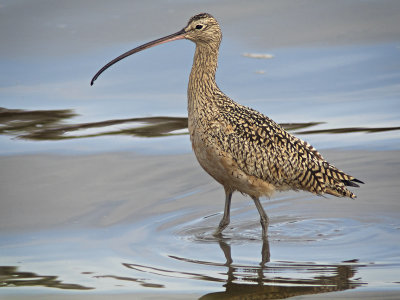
239,147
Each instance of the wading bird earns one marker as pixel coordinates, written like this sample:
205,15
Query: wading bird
239,147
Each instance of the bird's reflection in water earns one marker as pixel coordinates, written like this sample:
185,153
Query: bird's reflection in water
267,282
226,249
276,280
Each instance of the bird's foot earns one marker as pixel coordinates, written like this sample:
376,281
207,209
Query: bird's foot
218,232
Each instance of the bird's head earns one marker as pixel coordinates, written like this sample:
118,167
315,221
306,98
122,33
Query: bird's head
203,29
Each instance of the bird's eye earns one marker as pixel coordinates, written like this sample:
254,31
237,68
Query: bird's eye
199,26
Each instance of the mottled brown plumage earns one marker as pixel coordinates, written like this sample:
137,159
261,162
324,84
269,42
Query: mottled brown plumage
239,147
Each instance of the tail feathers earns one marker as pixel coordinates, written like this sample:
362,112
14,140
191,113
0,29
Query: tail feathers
337,182
356,180
320,177
340,191
352,182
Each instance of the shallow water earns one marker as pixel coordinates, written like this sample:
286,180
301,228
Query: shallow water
101,195
76,227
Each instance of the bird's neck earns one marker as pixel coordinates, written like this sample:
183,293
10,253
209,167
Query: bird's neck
202,85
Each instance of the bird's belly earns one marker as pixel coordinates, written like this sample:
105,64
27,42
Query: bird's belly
223,168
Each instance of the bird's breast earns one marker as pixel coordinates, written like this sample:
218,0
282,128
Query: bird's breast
219,163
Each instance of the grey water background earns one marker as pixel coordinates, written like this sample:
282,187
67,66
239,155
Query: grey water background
123,208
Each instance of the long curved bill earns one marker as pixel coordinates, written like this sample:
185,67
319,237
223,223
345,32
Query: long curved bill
169,38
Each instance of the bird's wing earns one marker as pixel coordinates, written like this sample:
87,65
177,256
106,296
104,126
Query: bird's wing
262,148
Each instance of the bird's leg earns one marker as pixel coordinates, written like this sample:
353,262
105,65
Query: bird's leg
226,218
265,253
263,217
